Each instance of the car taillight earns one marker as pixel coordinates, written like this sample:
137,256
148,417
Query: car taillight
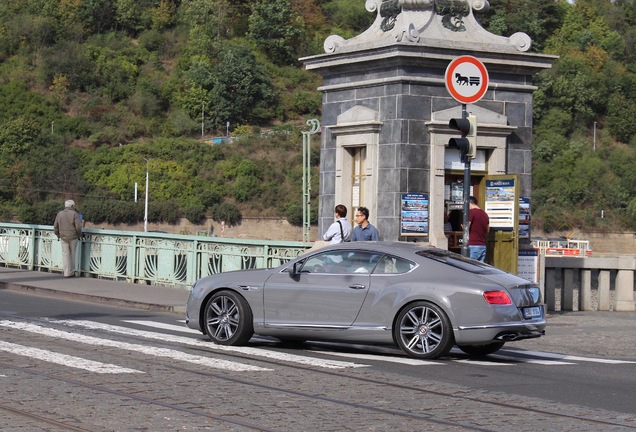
497,297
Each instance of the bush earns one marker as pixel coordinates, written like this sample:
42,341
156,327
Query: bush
41,213
195,213
228,213
163,211
112,211
294,214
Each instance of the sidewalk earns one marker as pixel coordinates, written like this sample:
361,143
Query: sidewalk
148,297
595,334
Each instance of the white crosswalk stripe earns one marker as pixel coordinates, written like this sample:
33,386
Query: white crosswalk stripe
64,360
250,351
154,351
504,357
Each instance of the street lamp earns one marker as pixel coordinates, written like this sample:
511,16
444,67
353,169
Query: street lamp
146,205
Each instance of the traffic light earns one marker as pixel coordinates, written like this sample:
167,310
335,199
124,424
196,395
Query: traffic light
467,144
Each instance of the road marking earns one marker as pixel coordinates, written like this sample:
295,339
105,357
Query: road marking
64,359
252,352
163,326
153,351
572,358
402,360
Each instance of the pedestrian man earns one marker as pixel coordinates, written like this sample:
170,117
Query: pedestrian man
68,229
478,228
340,230
364,231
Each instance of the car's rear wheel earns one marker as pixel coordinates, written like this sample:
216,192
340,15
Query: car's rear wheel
228,319
423,331
481,350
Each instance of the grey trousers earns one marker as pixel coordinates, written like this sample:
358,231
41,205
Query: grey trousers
68,256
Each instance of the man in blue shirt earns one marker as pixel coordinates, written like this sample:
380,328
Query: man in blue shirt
364,231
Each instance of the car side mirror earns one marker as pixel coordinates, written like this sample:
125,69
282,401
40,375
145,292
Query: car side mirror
294,269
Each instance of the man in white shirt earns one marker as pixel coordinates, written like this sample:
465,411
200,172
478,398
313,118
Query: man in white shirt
340,230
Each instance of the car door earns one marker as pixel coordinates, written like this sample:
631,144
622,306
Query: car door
328,292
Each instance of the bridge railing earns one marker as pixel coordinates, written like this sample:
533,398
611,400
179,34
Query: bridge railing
590,283
140,257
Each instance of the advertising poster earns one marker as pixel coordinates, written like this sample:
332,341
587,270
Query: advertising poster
524,218
414,215
501,203
528,266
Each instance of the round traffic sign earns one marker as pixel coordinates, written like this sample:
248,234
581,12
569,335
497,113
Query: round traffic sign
466,79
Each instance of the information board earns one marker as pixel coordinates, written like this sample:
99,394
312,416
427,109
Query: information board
414,215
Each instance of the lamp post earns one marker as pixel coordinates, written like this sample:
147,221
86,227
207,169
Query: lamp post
146,204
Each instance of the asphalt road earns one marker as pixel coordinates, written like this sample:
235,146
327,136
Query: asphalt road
580,376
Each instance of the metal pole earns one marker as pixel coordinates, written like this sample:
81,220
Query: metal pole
465,226
314,125
595,136
146,205
202,118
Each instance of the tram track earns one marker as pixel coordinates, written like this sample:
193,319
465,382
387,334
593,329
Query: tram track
419,420
42,419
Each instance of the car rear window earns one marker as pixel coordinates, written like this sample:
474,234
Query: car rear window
458,261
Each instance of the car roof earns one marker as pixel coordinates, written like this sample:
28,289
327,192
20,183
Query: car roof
394,247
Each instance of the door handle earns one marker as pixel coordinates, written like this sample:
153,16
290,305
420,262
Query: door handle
357,286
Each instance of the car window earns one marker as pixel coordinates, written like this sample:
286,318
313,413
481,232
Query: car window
341,262
393,265
458,261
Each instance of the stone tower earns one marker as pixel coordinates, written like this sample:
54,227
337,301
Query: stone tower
386,109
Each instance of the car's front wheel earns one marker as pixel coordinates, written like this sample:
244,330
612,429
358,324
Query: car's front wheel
228,319
423,331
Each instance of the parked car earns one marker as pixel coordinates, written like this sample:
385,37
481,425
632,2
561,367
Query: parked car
422,299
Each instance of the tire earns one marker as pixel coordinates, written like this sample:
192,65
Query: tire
228,319
481,350
423,331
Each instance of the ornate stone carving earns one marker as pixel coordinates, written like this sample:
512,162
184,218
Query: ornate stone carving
389,11
433,22
453,13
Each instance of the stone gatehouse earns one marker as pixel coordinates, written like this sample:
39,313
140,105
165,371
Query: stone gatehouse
386,110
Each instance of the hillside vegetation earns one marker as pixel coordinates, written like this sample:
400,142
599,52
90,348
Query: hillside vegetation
95,93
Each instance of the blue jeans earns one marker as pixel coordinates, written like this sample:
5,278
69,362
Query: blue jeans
477,252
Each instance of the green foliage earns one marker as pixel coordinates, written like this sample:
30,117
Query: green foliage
621,117
164,211
40,213
97,211
226,212
539,19
194,213
94,92
347,15
277,30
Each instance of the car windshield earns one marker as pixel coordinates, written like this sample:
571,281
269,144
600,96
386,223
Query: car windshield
457,260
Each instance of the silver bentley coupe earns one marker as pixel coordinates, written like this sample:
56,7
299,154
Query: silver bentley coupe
422,299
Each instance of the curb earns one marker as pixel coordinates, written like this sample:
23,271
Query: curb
180,310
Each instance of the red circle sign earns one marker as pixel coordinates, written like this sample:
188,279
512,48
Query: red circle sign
466,79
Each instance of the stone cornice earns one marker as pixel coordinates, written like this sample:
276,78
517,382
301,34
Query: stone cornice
397,54
419,80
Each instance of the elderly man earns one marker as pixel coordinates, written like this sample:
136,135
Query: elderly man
68,229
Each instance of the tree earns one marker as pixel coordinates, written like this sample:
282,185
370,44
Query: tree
242,92
277,30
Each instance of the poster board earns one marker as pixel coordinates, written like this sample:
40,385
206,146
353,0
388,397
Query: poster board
528,267
524,218
414,215
501,202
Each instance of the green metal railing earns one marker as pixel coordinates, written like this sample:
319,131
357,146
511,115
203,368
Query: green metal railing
153,258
